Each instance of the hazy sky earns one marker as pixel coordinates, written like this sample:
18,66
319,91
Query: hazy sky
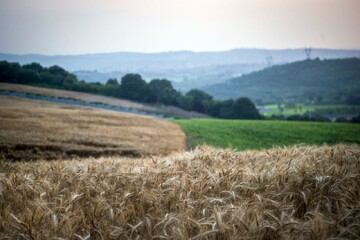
90,26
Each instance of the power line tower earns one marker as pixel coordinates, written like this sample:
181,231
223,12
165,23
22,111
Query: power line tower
308,53
269,60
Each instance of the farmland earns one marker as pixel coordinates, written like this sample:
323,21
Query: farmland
84,173
42,130
282,109
282,193
92,98
246,134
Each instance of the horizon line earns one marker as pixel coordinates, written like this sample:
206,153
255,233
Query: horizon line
180,51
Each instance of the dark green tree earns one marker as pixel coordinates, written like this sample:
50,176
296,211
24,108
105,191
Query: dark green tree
353,99
244,108
112,81
227,109
9,72
56,70
199,99
34,66
133,87
27,76
163,91
185,102
112,88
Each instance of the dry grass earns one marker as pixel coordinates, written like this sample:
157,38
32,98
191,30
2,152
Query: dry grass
283,193
42,130
166,110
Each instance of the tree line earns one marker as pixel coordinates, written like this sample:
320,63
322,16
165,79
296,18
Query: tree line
131,87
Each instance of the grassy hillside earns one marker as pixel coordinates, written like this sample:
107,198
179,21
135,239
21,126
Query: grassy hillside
242,134
310,81
32,129
294,193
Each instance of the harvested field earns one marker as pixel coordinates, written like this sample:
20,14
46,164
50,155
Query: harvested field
166,110
282,193
42,130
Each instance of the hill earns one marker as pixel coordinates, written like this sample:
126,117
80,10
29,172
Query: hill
186,69
32,129
281,193
309,81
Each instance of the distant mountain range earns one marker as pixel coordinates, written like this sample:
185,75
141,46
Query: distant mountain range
185,68
322,81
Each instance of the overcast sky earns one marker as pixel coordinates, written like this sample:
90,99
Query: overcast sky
92,26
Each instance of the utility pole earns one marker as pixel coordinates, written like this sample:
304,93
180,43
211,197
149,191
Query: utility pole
308,53
269,60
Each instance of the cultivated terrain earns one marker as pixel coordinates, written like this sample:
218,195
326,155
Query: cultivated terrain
282,193
260,134
93,98
72,172
32,129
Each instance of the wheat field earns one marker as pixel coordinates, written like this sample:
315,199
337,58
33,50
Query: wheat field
300,192
32,130
87,97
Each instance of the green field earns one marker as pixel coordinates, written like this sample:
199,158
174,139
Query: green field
274,109
250,134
